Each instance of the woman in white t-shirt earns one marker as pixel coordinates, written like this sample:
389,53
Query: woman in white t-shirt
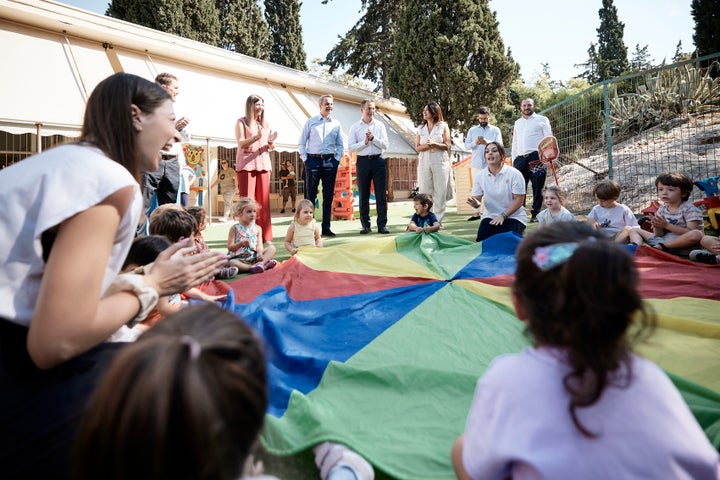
579,404
68,220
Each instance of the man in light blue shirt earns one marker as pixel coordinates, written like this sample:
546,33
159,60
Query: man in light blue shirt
475,141
368,138
321,148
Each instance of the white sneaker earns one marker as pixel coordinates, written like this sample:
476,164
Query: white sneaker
335,459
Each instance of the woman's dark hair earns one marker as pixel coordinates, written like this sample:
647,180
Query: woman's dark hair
678,180
435,111
108,122
187,400
500,148
145,250
583,305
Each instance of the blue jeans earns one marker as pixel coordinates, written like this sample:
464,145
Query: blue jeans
321,170
372,168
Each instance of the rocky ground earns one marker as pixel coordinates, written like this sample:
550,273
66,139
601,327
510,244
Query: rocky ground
689,144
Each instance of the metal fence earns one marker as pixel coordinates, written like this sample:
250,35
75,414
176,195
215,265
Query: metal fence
633,128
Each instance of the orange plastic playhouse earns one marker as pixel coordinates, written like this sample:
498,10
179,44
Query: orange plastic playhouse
343,196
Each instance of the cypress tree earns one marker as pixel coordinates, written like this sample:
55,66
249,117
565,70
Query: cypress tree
706,14
591,65
203,21
451,52
612,52
243,28
283,18
164,15
367,49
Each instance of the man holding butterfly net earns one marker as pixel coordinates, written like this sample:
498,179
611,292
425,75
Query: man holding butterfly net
529,129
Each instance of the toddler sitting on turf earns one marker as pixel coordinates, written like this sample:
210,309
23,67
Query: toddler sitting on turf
245,245
423,221
677,224
304,230
610,217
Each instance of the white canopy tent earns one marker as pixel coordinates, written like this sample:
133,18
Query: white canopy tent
56,54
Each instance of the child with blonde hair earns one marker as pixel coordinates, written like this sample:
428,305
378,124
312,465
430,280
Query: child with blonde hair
304,230
245,244
554,197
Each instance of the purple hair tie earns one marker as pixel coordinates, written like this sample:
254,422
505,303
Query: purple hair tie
546,258
193,345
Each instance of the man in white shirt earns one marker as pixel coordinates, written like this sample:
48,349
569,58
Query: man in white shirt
475,141
321,148
527,133
368,138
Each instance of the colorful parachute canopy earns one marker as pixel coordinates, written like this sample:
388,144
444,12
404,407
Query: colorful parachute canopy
379,344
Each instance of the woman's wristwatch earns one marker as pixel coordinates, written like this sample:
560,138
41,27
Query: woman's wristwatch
504,215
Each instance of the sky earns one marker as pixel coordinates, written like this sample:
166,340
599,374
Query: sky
556,32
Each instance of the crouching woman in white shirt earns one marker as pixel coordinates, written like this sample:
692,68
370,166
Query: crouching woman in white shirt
68,221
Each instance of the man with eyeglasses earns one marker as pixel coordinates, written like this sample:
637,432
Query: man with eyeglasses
228,187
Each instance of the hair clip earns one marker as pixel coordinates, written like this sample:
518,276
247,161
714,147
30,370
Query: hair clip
551,256
193,345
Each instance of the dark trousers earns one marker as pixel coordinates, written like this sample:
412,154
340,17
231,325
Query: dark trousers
372,168
40,409
321,170
486,230
537,179
164,181
289,193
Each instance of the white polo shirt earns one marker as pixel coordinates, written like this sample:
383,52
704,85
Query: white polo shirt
528,132
497,191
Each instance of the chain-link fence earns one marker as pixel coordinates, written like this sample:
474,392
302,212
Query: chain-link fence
635,127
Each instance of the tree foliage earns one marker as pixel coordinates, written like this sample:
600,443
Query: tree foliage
366,50
679,54
283,18
164,15
706,14
612,51
236,25
591,71
203,21
640,58
243,28
451,52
